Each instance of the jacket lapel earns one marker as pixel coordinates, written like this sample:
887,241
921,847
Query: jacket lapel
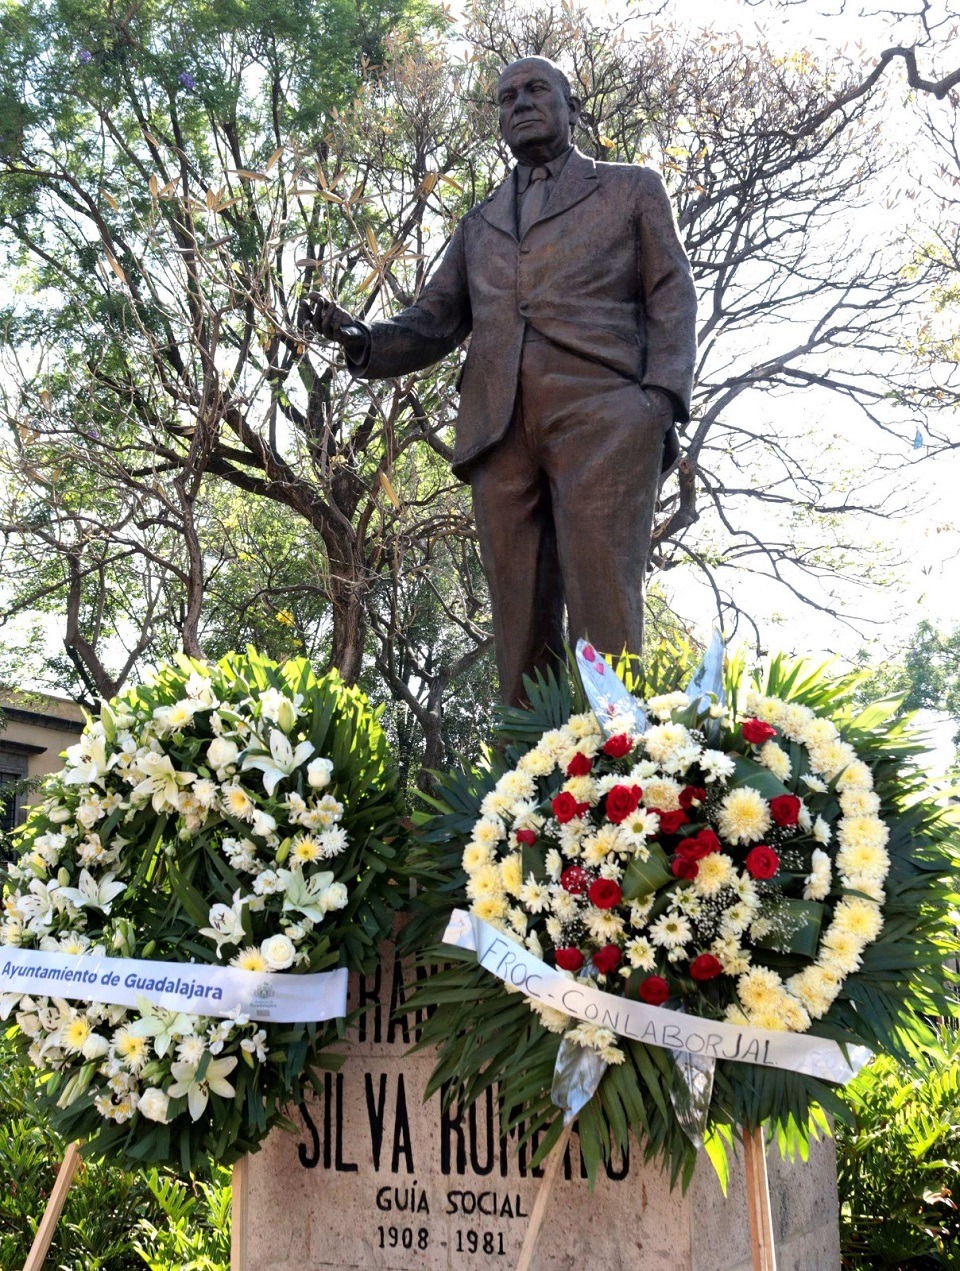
500,208
578,181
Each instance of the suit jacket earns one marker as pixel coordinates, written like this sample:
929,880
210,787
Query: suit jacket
601,272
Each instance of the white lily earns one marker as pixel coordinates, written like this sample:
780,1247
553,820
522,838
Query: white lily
93,895
225,927
198,1091
165,1027
162,781
86,761
305,896
280,762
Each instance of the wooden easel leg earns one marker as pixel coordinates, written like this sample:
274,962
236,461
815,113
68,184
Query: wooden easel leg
51,1215
238,1216
758,1201
554,1161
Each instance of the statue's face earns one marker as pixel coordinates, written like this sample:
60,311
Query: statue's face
535,116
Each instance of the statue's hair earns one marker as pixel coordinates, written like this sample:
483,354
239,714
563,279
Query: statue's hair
555,71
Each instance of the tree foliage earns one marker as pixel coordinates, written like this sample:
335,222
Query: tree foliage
183,469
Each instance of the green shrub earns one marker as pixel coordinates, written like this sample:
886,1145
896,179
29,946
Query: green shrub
899,1160
113,1220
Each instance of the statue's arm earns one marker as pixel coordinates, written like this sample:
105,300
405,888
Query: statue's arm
669,297
427,331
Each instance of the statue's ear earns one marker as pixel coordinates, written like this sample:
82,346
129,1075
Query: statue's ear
576,110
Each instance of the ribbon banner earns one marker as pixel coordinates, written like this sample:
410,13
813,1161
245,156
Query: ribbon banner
187,987
653,1025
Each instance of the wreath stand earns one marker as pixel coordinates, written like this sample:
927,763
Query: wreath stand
51,1215
762,1245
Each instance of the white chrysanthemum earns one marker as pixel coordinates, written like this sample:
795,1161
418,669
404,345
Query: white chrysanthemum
744,816
821,831
662,741
831,758
734,959
862,831
485,881
583,789
640,954
817,784
534,896
496,805
776,759
715,765
857,802
818,882
584,726
488,831
663,705
816,989
516,785
553,1021
855,776
537,763
662,793
759,988
250,959
236,802
671,931
553,863
605,926
564,905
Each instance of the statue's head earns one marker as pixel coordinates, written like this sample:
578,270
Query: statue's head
537,109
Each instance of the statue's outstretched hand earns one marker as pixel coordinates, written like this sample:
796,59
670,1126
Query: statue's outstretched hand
324,317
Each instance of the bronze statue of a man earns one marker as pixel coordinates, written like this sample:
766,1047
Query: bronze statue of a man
576,292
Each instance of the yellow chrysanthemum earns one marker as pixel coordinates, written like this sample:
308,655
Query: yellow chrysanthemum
511,874
714,872
776,759
583,789
816,988
476,854
250,959
485,881
663,740
759,989
859,918
856,776
306,849
831,758
131,1048
516,784
744,816
863,861
490,908
862,831
857,802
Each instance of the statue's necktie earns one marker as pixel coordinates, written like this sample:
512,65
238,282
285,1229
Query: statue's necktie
535,198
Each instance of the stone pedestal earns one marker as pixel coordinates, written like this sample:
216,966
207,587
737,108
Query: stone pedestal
377,1179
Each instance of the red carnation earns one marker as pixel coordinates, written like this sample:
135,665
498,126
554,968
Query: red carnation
684,867
705,967
691,797
565,806
621,801
695,849
762,862
670,822
756,731
574,880
654,990
785,809
607,959
579,765
604,893
618,746
527,837
568,959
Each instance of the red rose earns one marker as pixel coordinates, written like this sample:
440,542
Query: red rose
621,801
618,746
684,867
568,959
691,797
756,731
565,807
606,959
654,990
670,822
527,837
705,967
762,862
604,893
785,809
579,765
695,849
574,880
